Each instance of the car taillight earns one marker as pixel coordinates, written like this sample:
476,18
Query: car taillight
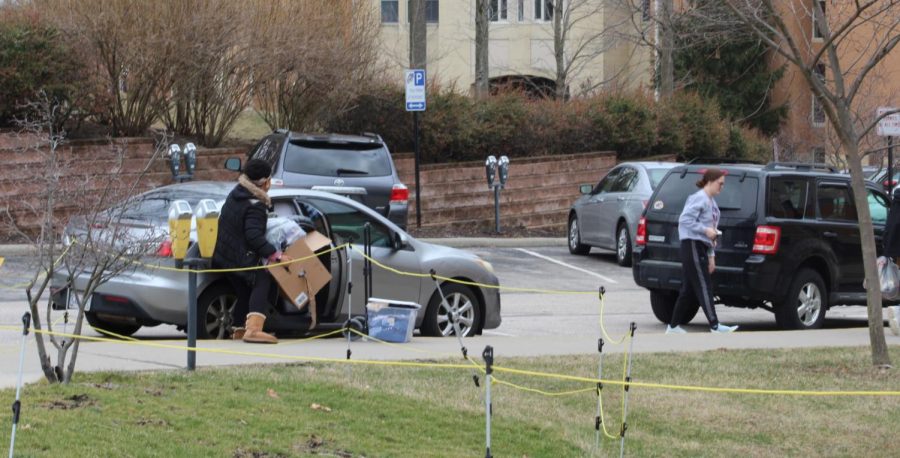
399,193
766,239
119,299
641,237
165,249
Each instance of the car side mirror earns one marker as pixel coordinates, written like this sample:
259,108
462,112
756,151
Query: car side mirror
399,241
586,188
233,164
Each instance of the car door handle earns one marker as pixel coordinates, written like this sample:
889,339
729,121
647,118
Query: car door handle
830,234
620,199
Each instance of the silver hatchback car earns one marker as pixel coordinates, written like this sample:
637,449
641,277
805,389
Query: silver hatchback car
148,297
606,215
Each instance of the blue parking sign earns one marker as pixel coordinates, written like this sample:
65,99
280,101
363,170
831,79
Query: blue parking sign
415,90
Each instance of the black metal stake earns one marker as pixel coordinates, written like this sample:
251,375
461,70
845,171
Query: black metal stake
488,356
417,160
625,400
17,405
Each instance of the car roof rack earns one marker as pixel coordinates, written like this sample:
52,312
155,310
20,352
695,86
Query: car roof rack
800,166
721,160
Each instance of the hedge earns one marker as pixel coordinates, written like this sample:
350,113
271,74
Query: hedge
456,127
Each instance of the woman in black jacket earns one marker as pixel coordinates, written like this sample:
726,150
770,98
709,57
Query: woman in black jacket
242,243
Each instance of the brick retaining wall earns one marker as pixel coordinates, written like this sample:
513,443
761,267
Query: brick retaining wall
538,194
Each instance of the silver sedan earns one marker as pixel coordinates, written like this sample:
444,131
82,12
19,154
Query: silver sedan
606,215
149,296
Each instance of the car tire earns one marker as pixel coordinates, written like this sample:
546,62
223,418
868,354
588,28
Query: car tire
214,309
663,304
123,329
436,322
623,245
805,304
575,245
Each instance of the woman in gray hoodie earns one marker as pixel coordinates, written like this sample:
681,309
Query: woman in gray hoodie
698,231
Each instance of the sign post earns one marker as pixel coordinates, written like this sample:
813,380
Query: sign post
415,102
889,126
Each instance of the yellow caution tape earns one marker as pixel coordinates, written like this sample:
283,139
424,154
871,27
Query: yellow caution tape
504,369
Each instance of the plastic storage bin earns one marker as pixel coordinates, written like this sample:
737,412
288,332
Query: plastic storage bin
391,321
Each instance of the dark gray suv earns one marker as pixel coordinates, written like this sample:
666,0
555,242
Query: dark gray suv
357,166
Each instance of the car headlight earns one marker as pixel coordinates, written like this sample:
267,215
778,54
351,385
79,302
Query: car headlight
486,265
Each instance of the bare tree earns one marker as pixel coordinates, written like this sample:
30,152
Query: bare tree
417,34
322,54
482,42
97,248
213,69
855,38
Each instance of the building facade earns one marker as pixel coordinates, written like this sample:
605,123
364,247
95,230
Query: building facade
521,44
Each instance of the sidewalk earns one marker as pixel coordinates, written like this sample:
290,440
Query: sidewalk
107,356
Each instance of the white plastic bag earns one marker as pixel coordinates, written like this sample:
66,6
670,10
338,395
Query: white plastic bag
889,278
282,232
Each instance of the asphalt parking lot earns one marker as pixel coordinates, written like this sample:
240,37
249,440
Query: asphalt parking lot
525,313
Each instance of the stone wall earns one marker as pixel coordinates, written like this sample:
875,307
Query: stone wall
538,194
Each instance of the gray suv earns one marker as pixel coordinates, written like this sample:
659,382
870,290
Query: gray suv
357,166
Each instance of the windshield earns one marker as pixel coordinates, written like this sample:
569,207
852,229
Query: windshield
337,160
656,175
738,197
154,205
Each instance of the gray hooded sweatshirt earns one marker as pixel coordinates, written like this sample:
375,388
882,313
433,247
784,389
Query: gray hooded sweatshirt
700,211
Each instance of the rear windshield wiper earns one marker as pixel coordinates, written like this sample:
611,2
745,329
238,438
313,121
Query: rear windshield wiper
351,172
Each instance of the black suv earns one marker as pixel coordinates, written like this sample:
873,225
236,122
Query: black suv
357,166
790,240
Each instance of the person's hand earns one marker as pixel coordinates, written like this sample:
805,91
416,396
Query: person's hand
712,264
710,232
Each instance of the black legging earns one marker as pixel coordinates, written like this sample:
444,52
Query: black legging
249,299
696,285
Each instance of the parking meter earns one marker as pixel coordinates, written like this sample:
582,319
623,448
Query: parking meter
180,227
490,169
190,158
207,213
174,159
503,170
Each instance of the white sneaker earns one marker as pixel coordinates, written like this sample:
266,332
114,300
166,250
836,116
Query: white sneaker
893,320
675,330
723,329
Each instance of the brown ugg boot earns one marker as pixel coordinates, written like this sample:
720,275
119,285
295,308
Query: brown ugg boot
238,333
254,332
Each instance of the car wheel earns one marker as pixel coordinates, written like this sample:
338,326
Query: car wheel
623,246
663,304
123,329
804,307
575,245
214,309
462,302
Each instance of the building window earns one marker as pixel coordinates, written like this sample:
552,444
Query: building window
818,111
543,10
521,10
431,11
499,10
645,10
818,154
390,12
816,33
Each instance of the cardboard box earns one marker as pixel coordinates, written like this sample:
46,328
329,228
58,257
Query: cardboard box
300,281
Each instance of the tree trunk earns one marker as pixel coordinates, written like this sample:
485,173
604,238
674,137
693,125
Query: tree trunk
665,46
417,35
482,17
880,355
559,50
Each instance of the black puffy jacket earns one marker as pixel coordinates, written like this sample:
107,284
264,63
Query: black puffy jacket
241,240
891,240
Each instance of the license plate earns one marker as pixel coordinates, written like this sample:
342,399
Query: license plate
656,238
72,302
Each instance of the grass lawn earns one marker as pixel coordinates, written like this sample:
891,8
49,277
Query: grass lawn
298,409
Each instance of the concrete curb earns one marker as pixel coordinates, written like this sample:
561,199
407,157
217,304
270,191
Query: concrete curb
455,242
